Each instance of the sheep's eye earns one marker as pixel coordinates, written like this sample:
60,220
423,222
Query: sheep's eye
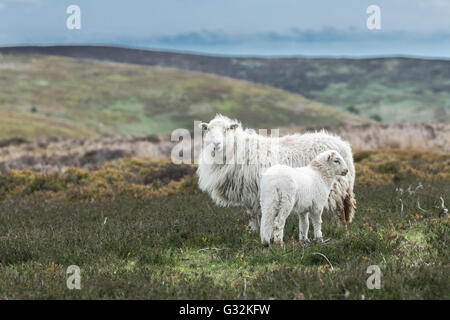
337,161
204,127
233,126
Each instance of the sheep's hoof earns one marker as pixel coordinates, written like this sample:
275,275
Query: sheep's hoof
251,227
278,242
304,243
320,240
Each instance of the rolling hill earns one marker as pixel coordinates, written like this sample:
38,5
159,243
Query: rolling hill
61,96
386,89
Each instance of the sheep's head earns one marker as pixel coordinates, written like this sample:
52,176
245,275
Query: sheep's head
334,161
219,135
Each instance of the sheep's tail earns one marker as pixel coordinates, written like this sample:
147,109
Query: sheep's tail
345,208
270,204
342,202
349,206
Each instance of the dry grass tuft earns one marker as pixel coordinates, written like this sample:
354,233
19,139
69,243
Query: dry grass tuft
430,136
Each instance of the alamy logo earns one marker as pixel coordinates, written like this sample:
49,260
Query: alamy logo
74,280
374,281
374,20
74,20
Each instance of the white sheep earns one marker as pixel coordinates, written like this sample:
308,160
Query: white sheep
232,161
301,190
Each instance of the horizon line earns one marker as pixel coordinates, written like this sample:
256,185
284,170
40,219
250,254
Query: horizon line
225,55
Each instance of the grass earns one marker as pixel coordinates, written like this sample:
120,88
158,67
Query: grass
45,96
13,125
179,245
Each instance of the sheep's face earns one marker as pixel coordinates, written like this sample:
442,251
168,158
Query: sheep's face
219,135
336,163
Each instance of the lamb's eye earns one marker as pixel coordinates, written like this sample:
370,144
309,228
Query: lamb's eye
337,161
204,127
233,127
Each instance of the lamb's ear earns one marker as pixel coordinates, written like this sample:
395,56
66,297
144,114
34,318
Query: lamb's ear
203,126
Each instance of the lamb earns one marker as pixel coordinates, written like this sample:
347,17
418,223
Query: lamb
301,190
232,161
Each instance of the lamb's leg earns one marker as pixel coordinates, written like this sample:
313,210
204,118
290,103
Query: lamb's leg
267,224
303,226
253,219
287,201
316,218
278,228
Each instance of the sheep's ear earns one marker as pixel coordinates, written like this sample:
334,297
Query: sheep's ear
203,126
234,126
331,155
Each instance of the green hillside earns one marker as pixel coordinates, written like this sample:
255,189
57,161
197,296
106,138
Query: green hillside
48,96
388,89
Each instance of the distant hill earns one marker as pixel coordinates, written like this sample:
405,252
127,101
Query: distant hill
61,96
387,89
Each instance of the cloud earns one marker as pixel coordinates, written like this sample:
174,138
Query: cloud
324,35
325,42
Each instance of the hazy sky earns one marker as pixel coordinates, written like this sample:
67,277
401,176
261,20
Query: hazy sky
263,27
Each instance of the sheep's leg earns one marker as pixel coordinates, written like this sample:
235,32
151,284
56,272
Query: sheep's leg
316,218
253,219
303,226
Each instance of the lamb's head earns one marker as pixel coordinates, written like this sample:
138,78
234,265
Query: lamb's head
333,162
219,135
